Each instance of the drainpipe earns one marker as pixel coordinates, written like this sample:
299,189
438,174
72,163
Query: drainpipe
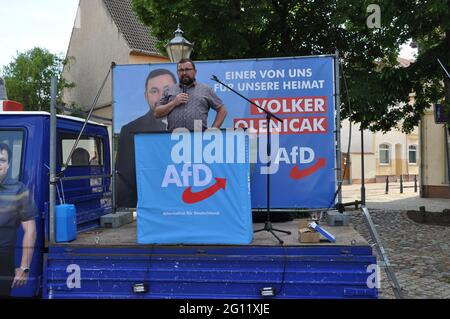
422,153
447,153
407,155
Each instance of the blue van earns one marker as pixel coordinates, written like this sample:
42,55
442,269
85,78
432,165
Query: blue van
28,136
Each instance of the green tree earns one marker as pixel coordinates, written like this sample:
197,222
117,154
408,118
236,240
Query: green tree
430,28
379,89
28,78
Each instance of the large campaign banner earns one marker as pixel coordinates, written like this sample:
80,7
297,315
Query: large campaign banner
298,90
191,191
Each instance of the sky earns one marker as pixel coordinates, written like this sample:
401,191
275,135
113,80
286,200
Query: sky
25,24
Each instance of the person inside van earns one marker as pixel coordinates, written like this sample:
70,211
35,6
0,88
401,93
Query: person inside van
80,157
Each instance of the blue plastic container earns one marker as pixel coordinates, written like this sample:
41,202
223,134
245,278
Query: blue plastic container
66,222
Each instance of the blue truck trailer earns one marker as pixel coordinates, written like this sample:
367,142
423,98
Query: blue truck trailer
108,263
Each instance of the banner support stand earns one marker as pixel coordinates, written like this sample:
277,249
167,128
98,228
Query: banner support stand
338,125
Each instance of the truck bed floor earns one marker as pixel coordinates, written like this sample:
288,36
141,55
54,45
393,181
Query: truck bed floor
126,236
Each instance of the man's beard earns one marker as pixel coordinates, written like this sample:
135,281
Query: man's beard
187,80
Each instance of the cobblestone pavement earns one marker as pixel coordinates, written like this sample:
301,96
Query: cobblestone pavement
419,254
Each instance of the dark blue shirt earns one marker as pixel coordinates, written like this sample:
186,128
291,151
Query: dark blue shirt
16,206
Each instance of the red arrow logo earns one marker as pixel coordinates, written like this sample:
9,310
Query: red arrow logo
190,198
296,173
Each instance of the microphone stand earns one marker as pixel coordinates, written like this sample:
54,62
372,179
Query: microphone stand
269,115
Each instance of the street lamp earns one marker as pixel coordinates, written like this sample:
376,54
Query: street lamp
178,48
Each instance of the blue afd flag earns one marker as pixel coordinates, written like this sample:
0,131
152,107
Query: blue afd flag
193,188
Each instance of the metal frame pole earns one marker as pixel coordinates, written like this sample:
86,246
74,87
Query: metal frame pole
52,160
382,253
113,139
338,123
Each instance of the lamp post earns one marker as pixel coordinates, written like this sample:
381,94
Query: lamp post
179,48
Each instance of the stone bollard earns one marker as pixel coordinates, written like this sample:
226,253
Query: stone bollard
387,184
401,184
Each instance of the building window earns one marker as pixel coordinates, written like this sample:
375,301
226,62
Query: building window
412,154
384,153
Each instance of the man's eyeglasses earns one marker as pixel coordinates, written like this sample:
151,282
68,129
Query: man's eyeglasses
185,70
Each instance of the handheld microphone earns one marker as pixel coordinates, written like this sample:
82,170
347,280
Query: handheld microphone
183,90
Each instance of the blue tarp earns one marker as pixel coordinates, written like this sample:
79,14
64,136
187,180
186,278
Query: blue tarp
192,200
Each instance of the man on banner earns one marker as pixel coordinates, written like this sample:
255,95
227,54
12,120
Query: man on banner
189,100
17,208
157,81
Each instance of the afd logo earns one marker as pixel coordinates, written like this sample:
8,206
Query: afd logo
193,175
303,156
